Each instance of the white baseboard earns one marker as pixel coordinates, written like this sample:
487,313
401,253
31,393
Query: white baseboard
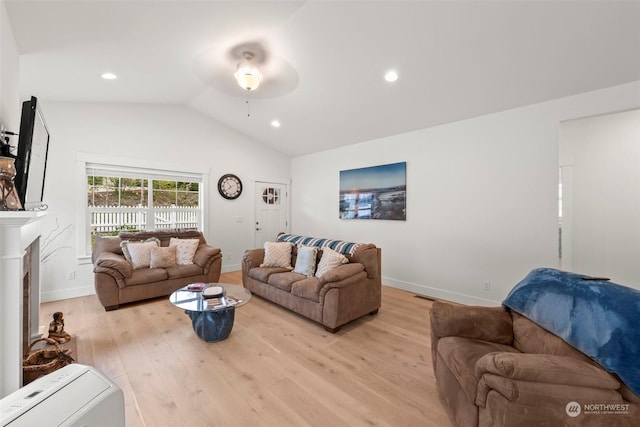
228,268
430,292
67,293
82,291
416,288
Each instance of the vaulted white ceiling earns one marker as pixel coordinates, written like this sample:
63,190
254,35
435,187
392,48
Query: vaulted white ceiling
325,60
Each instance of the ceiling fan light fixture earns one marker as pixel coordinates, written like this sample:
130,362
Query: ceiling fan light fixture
247,74
391,76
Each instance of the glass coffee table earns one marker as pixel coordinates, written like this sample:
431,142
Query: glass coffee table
212,319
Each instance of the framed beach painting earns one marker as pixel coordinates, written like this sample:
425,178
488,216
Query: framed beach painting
376,192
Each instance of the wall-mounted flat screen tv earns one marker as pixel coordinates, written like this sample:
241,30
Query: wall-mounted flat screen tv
33,148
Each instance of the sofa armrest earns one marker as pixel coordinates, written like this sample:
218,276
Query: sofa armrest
342,272
542,396
483,323
545,368
205,254
253,258
370,257
113,264
542,380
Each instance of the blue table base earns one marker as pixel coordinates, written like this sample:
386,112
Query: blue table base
212,326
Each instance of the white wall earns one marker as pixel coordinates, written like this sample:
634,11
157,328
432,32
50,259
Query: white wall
9,83
603,155
173,135
481,197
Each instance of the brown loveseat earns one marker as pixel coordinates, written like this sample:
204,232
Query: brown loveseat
117,282
494,367
343,294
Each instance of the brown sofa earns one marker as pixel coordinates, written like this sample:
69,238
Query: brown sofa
494,367
116,282
341,295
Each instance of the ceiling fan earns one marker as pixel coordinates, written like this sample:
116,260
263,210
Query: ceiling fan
246,67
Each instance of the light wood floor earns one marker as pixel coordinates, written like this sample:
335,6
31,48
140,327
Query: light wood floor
275,369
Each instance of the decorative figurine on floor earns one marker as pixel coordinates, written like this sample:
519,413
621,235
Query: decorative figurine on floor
56,328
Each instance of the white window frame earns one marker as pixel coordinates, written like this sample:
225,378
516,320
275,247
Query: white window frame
115,163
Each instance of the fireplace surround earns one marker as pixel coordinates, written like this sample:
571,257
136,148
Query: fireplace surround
19,292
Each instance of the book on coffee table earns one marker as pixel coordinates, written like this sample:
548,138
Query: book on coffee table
215,302
196,286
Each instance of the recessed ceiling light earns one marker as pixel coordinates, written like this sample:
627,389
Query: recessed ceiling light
391,76
109,76
275,123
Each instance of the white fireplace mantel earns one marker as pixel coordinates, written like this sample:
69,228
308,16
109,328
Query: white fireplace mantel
18,231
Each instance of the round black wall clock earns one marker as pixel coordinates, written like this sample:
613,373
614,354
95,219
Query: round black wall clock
229,186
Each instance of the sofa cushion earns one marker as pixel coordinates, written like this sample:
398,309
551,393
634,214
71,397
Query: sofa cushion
461,354
139,253
163,257
146,275
284,280
308,288
330,259
277,254
306,260
262,274
178,271
185,249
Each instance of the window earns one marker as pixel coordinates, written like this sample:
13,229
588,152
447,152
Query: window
271,196
135,199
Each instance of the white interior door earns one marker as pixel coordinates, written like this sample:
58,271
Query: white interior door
271,202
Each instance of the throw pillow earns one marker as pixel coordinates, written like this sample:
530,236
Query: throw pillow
163,257
306,260
330,259
185,249
277,254
139,253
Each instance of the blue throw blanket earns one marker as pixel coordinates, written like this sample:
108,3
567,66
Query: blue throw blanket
599,318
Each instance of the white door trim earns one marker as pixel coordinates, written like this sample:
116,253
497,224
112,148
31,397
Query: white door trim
287,205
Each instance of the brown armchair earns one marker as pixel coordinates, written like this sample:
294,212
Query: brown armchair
494,367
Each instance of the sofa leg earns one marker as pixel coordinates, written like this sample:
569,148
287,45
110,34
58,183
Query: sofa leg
112,307
332,330
374,312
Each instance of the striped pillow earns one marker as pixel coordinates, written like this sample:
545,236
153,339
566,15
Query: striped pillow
337,245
